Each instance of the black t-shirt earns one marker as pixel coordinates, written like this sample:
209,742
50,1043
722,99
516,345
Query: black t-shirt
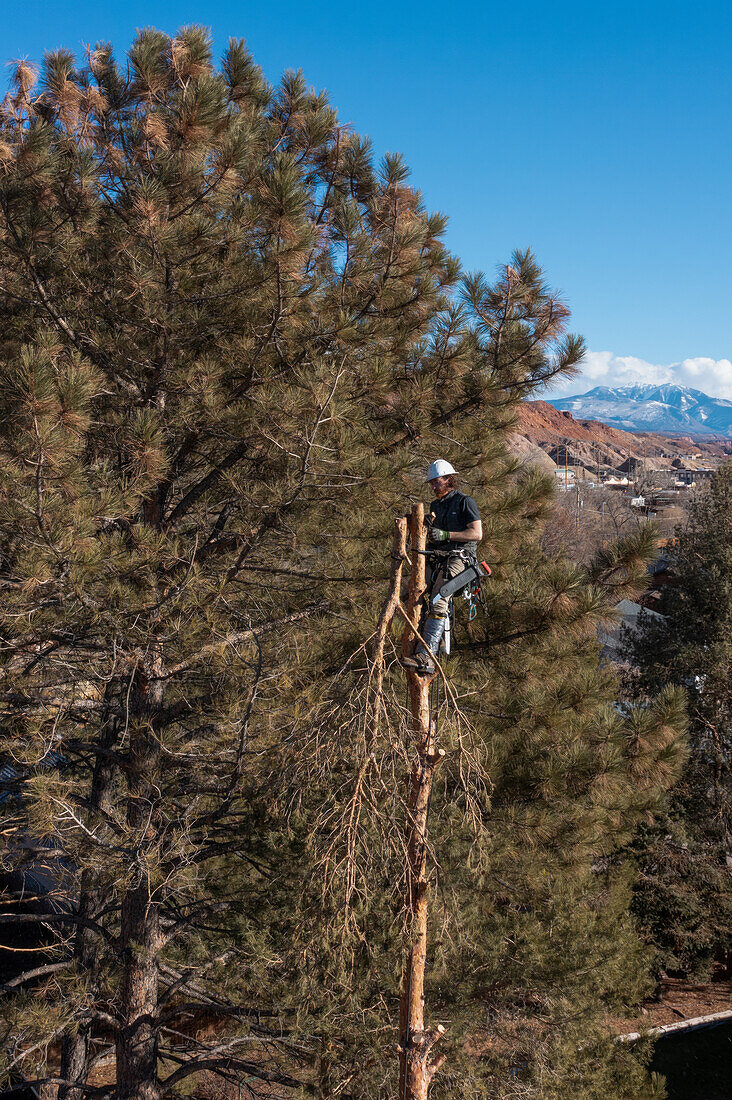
454,512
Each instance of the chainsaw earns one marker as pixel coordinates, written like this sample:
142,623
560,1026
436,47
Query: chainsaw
469,577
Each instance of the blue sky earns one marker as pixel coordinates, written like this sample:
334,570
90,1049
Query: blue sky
599,135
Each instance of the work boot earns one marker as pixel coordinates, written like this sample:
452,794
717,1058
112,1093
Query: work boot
421,663
423,659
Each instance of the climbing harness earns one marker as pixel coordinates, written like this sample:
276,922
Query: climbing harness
437,617
468,582
469,579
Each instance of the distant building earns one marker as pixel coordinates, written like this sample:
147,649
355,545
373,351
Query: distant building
666,498
684,476
689,476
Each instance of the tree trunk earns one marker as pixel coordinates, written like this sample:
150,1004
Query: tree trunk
75,1049
74,1064
137,1036
417,1060
137,1040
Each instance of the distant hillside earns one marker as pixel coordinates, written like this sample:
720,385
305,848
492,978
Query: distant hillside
542,419
549,437
651,408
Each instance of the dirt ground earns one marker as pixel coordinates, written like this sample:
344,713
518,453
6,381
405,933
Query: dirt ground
679,1000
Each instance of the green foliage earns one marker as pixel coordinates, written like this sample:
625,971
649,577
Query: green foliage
231,343
683,900
543,782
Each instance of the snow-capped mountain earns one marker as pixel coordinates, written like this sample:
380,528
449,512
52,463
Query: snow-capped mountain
652,408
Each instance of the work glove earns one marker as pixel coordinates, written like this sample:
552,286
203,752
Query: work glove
437,534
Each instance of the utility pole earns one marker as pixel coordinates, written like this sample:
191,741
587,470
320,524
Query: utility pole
645,443
576,506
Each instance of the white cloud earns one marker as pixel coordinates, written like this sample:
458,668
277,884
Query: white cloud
603,368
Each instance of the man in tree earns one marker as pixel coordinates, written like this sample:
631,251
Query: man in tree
455,529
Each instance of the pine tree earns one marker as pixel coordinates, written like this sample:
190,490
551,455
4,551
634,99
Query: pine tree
683,898
210,292
231,343
530,943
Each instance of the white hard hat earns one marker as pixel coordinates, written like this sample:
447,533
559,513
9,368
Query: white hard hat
439,468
